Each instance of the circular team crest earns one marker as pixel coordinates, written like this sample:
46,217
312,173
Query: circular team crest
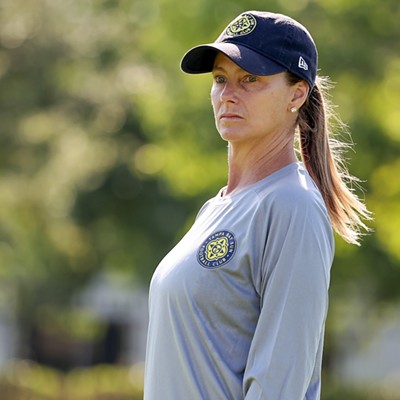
242,25
217,249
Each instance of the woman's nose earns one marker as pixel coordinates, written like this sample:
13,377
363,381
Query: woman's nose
228,93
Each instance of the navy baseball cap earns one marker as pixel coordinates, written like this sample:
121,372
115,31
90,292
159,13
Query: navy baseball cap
261,43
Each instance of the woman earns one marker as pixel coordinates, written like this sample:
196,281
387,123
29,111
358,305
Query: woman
238,307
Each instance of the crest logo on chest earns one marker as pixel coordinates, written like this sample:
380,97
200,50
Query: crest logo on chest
217,249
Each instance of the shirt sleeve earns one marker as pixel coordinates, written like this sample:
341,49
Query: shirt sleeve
287,345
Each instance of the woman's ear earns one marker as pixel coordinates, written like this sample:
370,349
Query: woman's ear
300,94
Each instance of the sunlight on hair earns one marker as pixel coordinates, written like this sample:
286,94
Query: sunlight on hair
323,148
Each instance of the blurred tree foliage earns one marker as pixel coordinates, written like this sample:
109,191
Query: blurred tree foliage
107,150
27,380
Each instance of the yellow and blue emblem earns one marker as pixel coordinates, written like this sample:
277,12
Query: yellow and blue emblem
242,25
217,249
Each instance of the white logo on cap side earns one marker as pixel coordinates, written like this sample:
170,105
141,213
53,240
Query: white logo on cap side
303,64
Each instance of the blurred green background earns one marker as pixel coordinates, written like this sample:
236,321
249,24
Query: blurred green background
107,151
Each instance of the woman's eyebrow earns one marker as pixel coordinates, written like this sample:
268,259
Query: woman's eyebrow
219,68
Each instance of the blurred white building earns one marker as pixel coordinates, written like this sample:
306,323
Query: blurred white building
118,307
369,349
8,331
124,310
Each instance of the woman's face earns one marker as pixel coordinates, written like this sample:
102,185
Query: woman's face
251,107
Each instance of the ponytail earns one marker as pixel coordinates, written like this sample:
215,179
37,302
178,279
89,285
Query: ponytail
322,156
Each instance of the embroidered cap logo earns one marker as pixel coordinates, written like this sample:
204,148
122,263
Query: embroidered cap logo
242,25
303,64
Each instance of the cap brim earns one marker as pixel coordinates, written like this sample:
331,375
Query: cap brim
200,59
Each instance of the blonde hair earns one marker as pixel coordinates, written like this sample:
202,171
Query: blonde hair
322,156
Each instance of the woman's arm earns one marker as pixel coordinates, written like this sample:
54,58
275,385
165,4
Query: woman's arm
284,362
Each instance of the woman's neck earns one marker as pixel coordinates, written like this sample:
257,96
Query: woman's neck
249,163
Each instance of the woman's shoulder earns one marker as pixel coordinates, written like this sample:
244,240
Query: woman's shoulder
290,188
293,179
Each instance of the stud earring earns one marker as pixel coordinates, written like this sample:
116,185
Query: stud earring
293,109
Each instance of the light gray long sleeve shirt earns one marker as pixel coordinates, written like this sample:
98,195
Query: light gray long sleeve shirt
238,307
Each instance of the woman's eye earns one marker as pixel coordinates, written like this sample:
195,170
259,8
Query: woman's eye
219,79
250,78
